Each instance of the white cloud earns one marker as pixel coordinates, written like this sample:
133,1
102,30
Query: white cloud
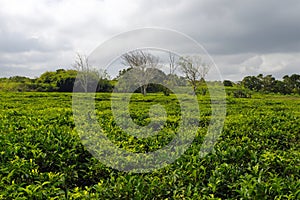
243,36
237,66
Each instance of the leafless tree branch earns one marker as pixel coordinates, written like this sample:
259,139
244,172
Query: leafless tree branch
143,64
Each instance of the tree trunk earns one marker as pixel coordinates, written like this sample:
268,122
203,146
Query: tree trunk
144,90
194,88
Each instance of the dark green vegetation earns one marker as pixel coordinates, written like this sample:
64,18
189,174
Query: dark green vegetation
257,156
63,81
268,84
59,81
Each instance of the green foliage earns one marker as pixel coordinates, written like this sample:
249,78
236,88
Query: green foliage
59,81
16,84
256,157
63,81
252,83
268,84
227,83
292,83
241,94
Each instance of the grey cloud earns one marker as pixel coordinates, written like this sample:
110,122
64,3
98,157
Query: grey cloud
17,42
33,64
13,42
227,27
232,31
20,71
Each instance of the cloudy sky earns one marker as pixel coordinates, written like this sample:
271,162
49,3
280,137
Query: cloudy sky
243,37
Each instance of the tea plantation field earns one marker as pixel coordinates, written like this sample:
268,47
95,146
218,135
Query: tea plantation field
256,157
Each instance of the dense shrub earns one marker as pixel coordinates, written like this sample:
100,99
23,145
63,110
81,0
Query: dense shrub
42,157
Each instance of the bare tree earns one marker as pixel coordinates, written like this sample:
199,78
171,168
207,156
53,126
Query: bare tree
144,65
87,75
194,70
172,63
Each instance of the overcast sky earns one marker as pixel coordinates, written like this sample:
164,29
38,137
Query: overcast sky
243,37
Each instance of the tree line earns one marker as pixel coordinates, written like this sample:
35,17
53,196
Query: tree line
141,69
268,84
61,80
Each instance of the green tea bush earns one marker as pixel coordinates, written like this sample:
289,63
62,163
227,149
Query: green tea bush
42,157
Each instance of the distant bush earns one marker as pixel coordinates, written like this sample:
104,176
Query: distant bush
241,94
227,83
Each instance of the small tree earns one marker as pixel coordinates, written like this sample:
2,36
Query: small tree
194,70
88,76
144,65
171,79
227,83
292,83
172,63
253,83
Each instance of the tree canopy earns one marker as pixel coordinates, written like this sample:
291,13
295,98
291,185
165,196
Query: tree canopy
268,84
63,80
